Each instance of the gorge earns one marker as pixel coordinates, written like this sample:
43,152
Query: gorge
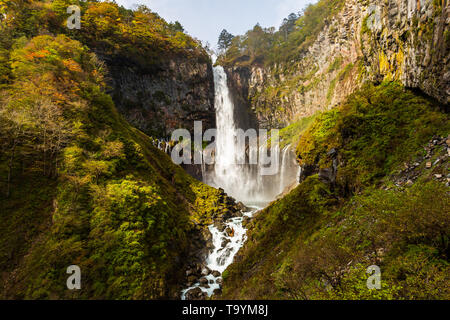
358,88
241,180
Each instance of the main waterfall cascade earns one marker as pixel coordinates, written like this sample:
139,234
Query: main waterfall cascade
244,182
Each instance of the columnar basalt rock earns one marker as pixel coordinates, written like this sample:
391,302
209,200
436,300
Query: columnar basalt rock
406,41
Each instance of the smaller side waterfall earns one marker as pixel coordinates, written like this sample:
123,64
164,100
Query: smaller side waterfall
284,164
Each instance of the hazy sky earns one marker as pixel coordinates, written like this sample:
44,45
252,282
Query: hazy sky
205,19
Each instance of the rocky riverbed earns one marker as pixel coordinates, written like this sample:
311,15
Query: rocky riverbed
228,235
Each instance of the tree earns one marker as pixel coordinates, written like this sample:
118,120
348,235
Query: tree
258,40
14,133
52,130
288,25
32,131
225,40
176,26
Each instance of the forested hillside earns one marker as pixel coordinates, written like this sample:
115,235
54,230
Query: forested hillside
155,70
78,184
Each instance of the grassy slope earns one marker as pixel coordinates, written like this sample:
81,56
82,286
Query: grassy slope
120,209
317,242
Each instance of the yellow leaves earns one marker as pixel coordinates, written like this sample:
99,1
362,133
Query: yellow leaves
384,63
400,58
114,149
3,5
77,181
391,66
136,22
71,65
41,53
59,97
54,67
102,17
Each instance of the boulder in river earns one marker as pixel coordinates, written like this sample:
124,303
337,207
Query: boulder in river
216,273
225,242
206,271
192,279
189,272
203,281
229,231
242,207
195,294
220,226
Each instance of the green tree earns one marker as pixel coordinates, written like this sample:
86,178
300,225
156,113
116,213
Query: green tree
225,40
288,25
176,26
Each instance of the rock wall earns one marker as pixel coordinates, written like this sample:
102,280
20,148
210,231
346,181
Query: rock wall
238,85
172,95
396,40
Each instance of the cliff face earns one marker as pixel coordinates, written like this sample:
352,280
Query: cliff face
172,95
239,86
406,41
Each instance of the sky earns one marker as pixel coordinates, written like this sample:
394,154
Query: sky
205,19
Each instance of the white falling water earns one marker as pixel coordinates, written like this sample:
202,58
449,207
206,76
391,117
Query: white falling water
230,176
284,165
221,257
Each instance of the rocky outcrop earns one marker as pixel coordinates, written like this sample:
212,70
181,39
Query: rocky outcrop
326,175
201,245
434,165
406,41
171,95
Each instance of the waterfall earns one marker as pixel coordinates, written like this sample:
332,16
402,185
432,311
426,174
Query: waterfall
235,178
243,182
222,255
167,150
284,164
